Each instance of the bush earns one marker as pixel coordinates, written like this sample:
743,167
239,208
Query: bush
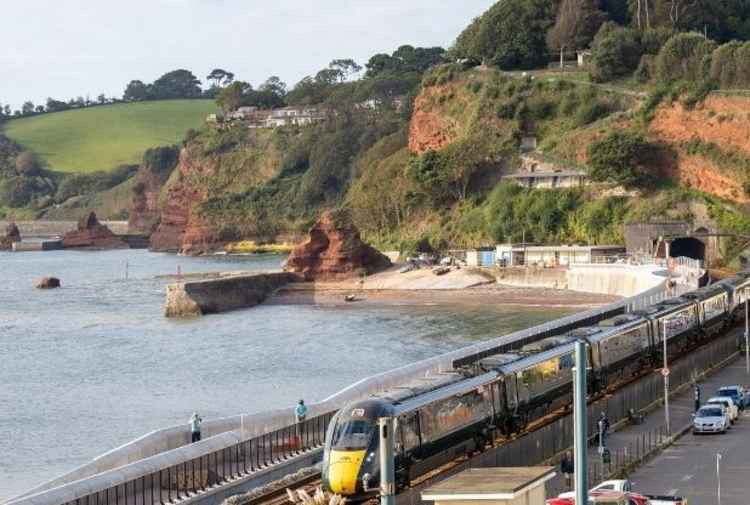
27,164
730,65
615,52
21,191
591,111
617,157
161,161
684,57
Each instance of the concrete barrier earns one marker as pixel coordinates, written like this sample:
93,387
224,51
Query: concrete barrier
189,299
614,279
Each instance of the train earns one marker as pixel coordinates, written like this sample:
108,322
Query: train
458,412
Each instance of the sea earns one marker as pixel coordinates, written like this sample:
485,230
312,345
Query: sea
95,364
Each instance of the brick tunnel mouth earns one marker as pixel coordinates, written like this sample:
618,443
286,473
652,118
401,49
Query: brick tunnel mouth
688,247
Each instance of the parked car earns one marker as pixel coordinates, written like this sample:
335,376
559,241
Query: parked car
727,401
604,497
711,419
736,393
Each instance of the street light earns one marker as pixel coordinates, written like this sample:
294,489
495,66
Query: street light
665,374
747,336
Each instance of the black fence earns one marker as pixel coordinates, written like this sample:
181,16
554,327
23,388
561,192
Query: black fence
175,483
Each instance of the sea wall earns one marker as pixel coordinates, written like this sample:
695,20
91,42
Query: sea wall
48,229
190,299
533,277
614,279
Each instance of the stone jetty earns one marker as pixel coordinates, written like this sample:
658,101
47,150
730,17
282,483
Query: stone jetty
190,299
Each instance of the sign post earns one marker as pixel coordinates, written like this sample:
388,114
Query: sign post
387,469
665,374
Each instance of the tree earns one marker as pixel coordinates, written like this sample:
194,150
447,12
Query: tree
233,96
576,24
176,84
6,110
27,108
345,68
220,77
684,56
616,51
102,98
511,34
39,109
56,105
136,91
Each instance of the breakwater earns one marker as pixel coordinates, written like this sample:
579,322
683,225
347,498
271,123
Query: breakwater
191,299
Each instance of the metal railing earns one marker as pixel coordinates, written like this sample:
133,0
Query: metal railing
191,477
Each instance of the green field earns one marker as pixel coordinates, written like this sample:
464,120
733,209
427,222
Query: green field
100,138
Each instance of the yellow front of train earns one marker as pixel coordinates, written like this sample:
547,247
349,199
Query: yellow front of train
350,459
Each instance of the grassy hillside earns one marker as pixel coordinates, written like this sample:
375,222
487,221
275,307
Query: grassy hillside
101,138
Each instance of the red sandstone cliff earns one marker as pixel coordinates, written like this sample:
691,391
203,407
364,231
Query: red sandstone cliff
92,234
334,250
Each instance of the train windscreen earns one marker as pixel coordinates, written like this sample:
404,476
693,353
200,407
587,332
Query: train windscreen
353,435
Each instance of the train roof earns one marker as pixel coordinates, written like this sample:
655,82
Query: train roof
620,320
497,360
664,307
705,292
740,279
457,389
535,359
546,343
419,386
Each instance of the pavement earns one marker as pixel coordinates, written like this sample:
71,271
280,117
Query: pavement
687,468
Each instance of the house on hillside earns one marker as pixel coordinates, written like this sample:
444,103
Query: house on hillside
538,171
298,116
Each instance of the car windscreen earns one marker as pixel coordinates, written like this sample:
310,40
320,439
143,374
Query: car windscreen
709,413
353,435
728,392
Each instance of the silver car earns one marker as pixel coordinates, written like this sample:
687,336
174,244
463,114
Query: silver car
711,419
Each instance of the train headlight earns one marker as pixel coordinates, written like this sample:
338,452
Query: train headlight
370,457
366,481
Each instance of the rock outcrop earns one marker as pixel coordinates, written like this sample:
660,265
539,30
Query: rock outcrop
12,234
48,283
92,234
157,166
334,250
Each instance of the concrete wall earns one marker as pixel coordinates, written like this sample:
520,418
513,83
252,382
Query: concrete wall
621,280
210,296
555,278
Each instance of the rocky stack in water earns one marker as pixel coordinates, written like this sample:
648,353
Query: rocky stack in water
12,234
334,250
92,234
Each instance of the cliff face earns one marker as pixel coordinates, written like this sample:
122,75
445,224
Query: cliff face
430,127
12,235
183,193
707,143
92,234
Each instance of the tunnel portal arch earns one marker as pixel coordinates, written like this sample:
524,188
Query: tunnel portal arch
689,247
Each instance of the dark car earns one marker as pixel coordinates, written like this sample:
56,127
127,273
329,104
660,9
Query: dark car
736,394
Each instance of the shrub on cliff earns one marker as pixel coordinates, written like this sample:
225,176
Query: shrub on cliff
685,56
615,52
617,158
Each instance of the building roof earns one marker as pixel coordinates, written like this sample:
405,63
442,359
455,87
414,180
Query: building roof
540,175
561,248
503,483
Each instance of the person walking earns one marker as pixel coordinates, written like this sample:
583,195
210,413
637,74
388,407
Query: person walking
195,427
567,467
697,396
603,429
300,413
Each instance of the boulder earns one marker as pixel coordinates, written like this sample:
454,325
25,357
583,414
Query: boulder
48,283
334,250
12,234
92,234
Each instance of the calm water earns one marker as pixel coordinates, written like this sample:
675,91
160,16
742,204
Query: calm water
95,364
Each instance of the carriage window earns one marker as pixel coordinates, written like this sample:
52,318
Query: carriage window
713,307
353,435
677,323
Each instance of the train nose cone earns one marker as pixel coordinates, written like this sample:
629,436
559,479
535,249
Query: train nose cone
343,469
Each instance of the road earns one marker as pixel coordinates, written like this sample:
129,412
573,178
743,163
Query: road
688,467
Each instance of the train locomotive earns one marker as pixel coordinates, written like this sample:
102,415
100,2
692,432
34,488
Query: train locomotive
459,412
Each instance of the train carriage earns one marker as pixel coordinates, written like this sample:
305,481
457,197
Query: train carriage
713,308
677,318
621,351
738,290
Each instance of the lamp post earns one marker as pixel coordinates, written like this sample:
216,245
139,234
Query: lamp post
580,439
387,454
665,374
718,478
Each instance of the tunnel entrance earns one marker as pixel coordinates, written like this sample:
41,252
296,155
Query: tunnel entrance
688,247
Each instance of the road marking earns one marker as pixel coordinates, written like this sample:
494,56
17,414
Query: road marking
687,478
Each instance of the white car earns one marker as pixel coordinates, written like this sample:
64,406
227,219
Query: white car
711,419
734,411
